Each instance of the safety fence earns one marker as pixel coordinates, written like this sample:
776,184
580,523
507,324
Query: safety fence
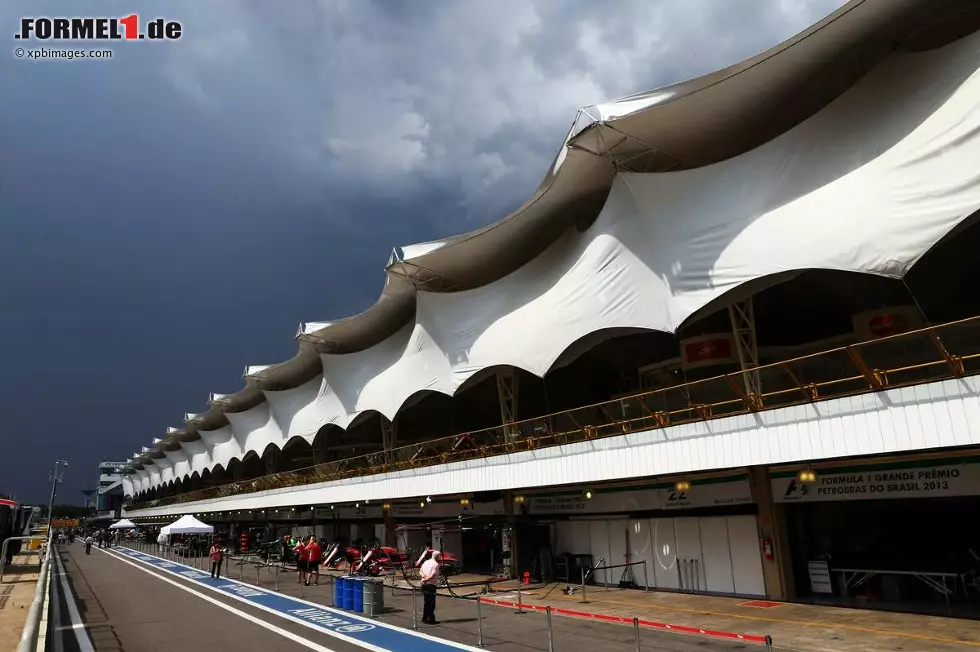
503,617
935,353
635,622
32,627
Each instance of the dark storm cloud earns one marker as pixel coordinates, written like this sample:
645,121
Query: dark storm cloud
168,216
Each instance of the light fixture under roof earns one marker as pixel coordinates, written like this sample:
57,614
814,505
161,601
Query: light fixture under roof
806,476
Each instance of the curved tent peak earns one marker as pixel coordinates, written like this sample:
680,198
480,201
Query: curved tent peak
144,449
215,397
248,397
157,440
190,416
408,252
171,430
252,370
311,327
299,369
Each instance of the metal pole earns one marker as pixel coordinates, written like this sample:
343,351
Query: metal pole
646,578
605,574
241,570
479,622
415,612
636,633
520,601
277,577
54,487
584,600
551,635
3,558
258,582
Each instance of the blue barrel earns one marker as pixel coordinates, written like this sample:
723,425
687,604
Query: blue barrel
338,592
359,595
349,587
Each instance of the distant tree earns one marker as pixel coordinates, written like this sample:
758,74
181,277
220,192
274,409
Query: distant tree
69,511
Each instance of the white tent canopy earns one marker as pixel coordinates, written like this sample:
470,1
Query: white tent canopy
187,524
868,184
124,524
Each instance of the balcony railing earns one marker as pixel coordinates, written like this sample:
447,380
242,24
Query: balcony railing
925,355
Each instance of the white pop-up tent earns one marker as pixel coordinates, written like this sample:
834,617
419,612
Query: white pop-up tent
124,524
187,524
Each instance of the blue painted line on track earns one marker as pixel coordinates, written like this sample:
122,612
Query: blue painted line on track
335,622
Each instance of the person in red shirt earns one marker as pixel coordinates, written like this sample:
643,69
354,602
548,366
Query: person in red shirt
301,562
314,552
217,556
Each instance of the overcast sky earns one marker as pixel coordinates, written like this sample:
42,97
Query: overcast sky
169,216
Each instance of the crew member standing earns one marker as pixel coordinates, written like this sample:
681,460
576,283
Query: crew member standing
217,556
301,563
429,574
88,544
314,552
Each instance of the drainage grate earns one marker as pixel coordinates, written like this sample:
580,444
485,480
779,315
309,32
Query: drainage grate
3,601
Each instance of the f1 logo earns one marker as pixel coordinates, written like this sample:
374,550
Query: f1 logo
796,489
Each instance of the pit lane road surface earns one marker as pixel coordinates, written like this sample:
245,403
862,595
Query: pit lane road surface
135,602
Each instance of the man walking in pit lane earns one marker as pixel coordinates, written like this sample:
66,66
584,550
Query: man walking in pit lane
429,574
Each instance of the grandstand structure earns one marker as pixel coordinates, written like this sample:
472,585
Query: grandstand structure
732,334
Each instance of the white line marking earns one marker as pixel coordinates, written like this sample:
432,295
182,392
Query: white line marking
77,624
401,630
241,614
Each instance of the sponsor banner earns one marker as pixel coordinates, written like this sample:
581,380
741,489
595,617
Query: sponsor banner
436,509
708,350
937,481
111,467
65,522
873,324
445,509
351,512
706,494
340,624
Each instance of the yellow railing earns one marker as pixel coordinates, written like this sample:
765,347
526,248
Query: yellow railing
925,355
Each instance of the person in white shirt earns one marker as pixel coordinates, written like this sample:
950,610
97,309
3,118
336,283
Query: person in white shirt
429,573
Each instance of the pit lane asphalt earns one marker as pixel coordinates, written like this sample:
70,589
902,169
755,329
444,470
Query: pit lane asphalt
127,608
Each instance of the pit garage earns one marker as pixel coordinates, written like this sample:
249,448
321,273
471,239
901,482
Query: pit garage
703,539
896,534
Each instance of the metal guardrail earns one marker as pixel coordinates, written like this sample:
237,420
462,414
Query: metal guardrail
6,543
28,638
929,354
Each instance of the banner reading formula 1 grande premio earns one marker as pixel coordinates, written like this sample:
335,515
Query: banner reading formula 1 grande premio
916,480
